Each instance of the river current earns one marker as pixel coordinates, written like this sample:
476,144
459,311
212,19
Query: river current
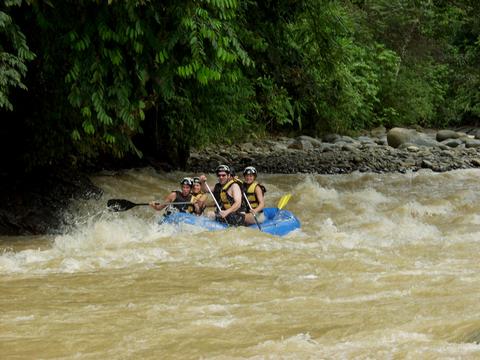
385,266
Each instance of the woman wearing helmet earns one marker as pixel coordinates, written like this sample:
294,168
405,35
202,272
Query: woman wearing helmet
254,193
199,198
181,200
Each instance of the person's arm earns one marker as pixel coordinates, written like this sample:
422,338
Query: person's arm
205,188
203,181
169,199
261,199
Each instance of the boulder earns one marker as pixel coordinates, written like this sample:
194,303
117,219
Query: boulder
451,142
315,142
300,144
399,136
472,143
447,134
330,138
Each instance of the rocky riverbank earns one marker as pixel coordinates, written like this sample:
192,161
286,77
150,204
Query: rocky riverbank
396,150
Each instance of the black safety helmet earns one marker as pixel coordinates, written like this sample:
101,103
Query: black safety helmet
186,181
250,170
224,168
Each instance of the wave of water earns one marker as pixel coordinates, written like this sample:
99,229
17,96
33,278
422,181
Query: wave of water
384,266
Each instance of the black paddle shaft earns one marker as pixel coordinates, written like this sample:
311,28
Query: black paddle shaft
124,205
121,204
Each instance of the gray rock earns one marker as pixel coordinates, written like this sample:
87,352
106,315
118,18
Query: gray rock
330,138
346,139
451,142
219,159
399,136
475,162
344,155
472,143
248,147
350,148
279,147
427,164
315,142
299,144
365,140
327,147
447,134
381,141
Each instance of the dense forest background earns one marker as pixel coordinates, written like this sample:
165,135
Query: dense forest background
82,81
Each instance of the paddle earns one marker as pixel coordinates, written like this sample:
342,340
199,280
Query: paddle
251,209
124,205
213,197
216,203
283,201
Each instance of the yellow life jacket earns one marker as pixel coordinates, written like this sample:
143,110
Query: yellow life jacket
198,196
225,198
251,195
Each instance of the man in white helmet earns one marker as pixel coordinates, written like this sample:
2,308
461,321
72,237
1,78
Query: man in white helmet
178,199
228,195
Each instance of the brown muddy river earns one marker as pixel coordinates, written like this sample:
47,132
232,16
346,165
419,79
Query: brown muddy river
384,267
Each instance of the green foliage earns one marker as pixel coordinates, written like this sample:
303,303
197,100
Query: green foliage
14,54
131,55
275,103
123,77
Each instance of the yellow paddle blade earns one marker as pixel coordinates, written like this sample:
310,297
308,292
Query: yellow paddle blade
283,201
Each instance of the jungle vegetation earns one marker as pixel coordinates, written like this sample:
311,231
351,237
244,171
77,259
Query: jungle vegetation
85,80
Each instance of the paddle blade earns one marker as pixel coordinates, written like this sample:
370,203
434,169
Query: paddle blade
283,201
120,205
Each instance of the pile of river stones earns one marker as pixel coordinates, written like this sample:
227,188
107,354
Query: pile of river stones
379,151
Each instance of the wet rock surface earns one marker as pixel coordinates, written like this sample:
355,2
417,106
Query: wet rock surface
396,150
37,204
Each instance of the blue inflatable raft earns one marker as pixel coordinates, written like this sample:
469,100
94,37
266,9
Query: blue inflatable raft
277,222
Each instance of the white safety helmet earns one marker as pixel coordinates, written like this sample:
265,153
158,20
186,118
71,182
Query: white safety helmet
224,168
186,181
250,170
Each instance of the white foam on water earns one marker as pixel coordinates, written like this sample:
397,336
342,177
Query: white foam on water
415,209
378,295
309,277
116,243
24,318
311,195
301,344
384,344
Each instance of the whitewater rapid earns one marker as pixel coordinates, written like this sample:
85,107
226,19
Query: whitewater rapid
384,266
